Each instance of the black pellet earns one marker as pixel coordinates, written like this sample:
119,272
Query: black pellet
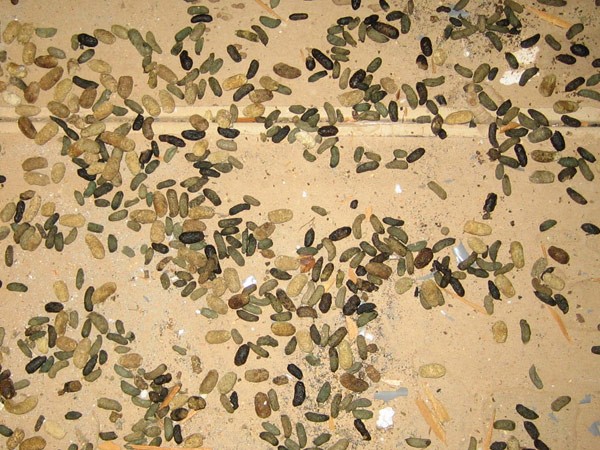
421,92
498,445
562,303
415,155
299,393
298,16
456,285
252,69
327,130
185,60
493,290
295,370
426,46
241,355
590,228
586,154
394,15
570,121
236,209
386,29
177,436
20,209
35,364
362,429
574,84
322,59
193,135
85,40
580,50
422,63
161,248
566,59
162,379
384,5
490,202
526,413
202,18
170,139
492,130
229,133
234,400
540,445
233,53
310,63
89,365
357,78
545,298
521,154
371,19
138,122
53,307
527,75
191,237
242,91
83,83
393,111
558,141
351,305
530,41
281,134
340,233
325,302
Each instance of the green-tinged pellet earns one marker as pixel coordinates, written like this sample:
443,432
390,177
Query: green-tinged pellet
560,403
504,424
418,442
437,190
535,378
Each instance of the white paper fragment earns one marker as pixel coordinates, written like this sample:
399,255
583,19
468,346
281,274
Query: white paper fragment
249,281
386,418
460,252
398,189
511,77
525,56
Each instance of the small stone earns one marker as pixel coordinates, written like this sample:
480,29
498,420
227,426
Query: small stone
217,336
256,375
280,215
209,382
54,429
353,383
403,285
286,71
351,98
103,292
500,332
261,405
517,255
459,117
558,254
430,295
477,228
283,329
33,443
131,360
432,370
379,270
